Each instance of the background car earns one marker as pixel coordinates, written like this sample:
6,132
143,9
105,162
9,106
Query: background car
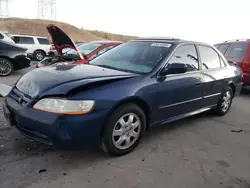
4,36
12,57
93,49
78,54
52,52
238,51
113,99
38,47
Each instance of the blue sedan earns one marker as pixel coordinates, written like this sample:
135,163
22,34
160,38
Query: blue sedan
114,99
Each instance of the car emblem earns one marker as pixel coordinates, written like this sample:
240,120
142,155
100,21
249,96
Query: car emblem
20,100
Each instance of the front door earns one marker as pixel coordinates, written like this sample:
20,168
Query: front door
178,94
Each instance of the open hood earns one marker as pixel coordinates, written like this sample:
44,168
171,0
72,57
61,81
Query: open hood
61,40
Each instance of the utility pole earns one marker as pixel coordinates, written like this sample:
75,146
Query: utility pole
47,9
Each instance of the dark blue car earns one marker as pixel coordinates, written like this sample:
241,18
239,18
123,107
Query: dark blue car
112,100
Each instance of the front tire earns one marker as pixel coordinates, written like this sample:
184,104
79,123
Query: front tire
6,67
39,55
225,102
123,130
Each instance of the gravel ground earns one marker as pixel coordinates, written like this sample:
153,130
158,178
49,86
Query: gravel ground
201,151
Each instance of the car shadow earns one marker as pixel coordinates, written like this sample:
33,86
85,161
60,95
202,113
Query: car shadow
56,162
245,91
179,124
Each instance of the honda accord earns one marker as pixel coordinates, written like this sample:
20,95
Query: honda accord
111,101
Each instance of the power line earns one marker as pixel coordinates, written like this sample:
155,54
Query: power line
47,9
4,8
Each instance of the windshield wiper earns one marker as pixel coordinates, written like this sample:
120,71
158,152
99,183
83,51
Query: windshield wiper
106,66
110,67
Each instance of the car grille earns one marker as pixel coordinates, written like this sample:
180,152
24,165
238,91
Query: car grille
19,97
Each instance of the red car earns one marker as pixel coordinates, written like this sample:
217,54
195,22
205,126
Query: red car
77,54
238,51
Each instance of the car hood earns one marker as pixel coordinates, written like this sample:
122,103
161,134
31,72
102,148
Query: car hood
39,81
61,40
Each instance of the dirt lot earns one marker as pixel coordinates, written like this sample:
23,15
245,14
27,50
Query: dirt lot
202,151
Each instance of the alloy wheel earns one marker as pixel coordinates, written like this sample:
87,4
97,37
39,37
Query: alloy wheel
39,56
226,101
5,67
126,131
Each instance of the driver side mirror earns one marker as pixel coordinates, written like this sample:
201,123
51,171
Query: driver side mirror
174,68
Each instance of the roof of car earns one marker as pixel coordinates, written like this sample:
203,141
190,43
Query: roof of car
168,39
22,35
158,38
234,40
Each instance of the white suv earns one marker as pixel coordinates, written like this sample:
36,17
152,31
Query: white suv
4,36
37,47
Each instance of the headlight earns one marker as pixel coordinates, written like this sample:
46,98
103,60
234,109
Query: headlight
64,106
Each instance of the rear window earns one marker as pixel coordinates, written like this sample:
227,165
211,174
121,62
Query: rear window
1,36
236,50
43,41
223,48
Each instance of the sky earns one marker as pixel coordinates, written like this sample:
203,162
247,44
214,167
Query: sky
209,21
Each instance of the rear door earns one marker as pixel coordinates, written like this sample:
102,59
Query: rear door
214,74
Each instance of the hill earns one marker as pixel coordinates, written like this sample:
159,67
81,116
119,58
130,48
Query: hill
38,27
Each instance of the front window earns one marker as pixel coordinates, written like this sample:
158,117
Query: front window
85,48
186,54
138,56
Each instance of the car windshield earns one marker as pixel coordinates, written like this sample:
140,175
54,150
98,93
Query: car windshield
137,56
85,48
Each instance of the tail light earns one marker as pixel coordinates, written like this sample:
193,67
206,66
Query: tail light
51,48
245,66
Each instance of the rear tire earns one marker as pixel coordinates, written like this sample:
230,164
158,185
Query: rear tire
39,55
123,130
6,67
225,102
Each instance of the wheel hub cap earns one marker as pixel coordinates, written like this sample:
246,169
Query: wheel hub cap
5,67
39,56
126,131
226,100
